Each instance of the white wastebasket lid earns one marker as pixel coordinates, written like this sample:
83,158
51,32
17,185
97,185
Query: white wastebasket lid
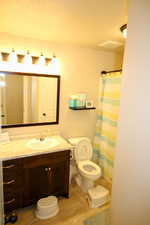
49,201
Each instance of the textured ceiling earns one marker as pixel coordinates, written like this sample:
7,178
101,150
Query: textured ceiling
82,22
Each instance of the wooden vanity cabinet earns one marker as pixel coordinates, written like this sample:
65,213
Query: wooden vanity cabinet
28,179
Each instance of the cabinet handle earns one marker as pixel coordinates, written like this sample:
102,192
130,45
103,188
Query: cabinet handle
9,182
9,167
8,202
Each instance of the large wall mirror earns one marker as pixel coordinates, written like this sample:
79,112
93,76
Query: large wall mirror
29,99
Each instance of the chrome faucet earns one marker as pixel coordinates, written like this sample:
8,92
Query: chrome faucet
42,137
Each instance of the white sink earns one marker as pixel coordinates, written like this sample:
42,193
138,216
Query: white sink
47,143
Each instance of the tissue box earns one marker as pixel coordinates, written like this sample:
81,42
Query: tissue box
73,103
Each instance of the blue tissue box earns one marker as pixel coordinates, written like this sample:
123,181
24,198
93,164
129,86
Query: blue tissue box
73,103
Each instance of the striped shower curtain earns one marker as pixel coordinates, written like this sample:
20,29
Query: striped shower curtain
106,127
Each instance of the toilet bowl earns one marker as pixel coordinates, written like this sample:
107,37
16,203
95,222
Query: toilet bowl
88,170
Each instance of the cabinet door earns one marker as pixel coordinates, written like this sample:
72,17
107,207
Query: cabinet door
59,178
37,182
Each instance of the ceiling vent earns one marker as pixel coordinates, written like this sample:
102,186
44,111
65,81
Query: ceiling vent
110,44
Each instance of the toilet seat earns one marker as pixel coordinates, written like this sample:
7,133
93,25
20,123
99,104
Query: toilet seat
89,169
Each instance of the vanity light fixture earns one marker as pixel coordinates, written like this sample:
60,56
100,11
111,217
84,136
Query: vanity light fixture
123,29
28,58
41,60
36,64
13,57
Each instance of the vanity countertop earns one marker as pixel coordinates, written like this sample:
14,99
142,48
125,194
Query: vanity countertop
18,148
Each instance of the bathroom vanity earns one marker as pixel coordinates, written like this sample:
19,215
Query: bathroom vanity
29,178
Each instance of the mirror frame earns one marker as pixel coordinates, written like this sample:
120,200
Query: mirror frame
57,104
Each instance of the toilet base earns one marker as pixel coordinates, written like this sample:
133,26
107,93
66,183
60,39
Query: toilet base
87,184
84,183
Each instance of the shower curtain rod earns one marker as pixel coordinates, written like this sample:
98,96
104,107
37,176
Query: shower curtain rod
113,71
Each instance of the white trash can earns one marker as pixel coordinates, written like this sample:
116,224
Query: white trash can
47,207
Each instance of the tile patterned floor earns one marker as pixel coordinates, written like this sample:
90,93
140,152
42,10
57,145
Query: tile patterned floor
73,211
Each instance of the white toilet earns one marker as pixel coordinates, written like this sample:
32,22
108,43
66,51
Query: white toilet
88,170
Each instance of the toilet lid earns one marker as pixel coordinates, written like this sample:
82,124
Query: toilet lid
83,150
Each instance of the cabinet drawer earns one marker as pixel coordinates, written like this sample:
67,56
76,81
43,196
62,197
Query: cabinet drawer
46,159
11,168
10,183
12,200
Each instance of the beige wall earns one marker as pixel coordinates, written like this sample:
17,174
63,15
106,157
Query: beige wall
131,184
80,71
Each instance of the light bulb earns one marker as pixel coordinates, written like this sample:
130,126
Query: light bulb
125,33
2,75
41,60
28,58
13,57
2,84
54,66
